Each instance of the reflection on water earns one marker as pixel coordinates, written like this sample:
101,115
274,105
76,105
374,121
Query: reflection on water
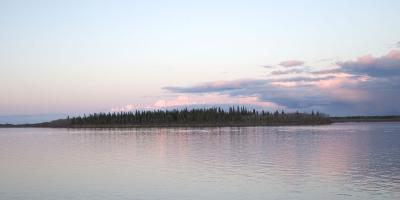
340,161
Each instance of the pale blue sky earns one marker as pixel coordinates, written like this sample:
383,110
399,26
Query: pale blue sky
89,56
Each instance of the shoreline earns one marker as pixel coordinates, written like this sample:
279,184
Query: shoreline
333,120
163,125
365,119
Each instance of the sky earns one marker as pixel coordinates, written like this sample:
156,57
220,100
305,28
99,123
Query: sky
73,57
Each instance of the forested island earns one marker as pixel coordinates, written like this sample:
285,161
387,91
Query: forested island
200,117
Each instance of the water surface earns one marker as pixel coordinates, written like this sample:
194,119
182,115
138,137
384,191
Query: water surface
339,161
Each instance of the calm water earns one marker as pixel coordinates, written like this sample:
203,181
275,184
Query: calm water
340,161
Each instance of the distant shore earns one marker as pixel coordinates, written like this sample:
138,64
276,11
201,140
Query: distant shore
365,119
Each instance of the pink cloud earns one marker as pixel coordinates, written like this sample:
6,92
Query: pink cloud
205,99
179,101
394,54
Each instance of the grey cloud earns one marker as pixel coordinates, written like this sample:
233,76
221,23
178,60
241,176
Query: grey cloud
216,86
297,97
327,71
291,63
290,71
385,66
267,66
301,79
199,89
380,92
232,86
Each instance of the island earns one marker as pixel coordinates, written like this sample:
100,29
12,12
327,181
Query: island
196,117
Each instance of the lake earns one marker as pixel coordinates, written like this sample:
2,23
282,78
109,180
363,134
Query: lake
339,161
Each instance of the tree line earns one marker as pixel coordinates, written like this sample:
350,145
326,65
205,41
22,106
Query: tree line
215,115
